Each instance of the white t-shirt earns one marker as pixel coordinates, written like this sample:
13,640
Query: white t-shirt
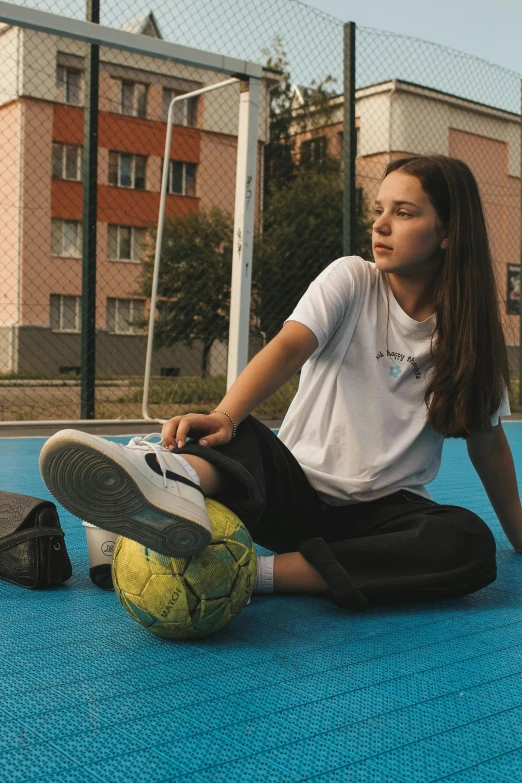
358,422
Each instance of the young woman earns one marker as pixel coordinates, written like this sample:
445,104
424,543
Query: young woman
395,356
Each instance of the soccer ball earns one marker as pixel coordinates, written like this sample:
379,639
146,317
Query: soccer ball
187,598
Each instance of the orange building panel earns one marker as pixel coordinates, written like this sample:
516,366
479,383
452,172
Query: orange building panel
117,205
127,134
67,124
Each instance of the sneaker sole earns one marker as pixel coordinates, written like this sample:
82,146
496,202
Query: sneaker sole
92,485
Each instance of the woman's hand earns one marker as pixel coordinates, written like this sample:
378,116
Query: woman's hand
212,429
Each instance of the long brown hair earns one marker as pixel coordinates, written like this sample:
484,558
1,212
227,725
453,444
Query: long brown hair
471,366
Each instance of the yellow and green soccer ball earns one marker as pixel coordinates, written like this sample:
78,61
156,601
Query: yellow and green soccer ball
187,598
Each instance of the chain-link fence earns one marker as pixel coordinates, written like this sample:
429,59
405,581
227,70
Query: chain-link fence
411,97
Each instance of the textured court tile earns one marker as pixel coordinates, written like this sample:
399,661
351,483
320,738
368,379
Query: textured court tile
508,766
475,745
61,723
281,669
33,702
74,775
461,708
419,762
63,673
502,722
476,775
220,712
14,734
143,766
202,751
95,687
124,707
365,703
247,770
262,734
503,694
14,682
308,757
315,717
35,760
364,739
201,689
90,747
328,683
163,727
279,697
360,772
235,651
416,722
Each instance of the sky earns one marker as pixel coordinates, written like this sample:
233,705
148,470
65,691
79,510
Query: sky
452,36
490,29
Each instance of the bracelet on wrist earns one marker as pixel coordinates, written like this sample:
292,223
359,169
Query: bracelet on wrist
231,419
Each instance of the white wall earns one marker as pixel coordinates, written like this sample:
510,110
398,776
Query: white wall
8,63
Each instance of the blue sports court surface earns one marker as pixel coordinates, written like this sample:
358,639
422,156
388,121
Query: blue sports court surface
293,689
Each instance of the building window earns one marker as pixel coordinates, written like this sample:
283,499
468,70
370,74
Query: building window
69,84
66,238
65,313
127,171
122,315
67,161
133,99
126,243
185,111
182,178
313,151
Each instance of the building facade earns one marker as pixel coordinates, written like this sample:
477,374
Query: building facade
41,192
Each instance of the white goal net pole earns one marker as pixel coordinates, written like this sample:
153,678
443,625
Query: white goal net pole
243,227
243,232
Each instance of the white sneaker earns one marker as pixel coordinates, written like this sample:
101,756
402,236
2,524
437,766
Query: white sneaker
140,491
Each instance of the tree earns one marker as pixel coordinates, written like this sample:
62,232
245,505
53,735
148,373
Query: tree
303,233
194,280
286,118
302,226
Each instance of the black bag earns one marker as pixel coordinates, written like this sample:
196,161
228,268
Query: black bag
32,546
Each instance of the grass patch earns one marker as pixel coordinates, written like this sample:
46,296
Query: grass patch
203,394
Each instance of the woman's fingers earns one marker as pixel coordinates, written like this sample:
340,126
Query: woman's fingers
184,427
169,430
175,431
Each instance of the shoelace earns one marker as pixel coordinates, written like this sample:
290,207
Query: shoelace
140,442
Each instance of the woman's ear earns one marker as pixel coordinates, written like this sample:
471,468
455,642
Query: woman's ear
444,244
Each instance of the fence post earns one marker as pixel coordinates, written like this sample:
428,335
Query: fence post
90,176
520,268
349,151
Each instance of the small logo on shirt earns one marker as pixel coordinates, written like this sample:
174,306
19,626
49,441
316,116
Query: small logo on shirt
395,370
107,548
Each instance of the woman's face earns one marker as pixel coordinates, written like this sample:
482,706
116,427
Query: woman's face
407,224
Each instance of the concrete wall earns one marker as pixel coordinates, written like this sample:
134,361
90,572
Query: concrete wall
42,351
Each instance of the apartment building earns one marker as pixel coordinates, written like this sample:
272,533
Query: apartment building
41,192
397,118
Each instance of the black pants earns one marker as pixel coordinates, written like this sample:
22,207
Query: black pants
396,549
